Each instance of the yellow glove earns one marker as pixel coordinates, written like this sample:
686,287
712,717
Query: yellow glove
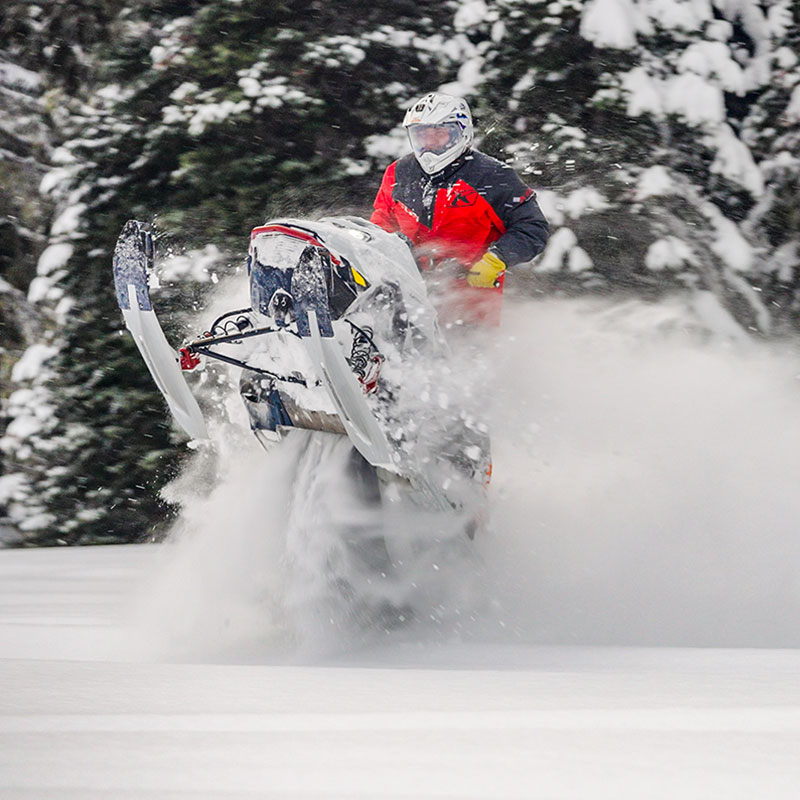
485,273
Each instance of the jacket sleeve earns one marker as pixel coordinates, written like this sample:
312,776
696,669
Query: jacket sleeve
527,230
382,214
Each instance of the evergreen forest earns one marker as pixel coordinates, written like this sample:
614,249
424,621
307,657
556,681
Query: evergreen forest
662,138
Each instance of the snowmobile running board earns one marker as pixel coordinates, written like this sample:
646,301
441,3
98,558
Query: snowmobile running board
133,255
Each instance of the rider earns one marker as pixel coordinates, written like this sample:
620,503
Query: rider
467,215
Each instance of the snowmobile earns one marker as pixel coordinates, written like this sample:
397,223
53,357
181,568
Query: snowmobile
339,338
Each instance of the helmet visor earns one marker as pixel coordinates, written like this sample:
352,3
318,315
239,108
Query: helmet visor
435,139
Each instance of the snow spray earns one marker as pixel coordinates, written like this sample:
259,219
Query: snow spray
644,492
646,472
275,555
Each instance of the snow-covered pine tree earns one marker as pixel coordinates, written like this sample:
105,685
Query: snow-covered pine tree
24,139
630,114
771,128
543,110
41,65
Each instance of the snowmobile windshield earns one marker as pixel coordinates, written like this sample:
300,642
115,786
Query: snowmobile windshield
435,139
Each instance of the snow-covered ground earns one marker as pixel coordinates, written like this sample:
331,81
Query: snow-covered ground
83,716
627,627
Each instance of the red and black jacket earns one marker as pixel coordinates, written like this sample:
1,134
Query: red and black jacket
474,203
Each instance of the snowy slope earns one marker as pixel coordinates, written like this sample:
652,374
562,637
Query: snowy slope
643,521
82,718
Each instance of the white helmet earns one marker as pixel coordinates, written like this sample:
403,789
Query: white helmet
439,128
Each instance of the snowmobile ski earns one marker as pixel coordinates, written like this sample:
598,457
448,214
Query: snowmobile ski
133,256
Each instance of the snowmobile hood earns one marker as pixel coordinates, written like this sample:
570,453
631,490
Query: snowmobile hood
377,256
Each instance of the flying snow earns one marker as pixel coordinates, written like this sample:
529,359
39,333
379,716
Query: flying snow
644,492
646,476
